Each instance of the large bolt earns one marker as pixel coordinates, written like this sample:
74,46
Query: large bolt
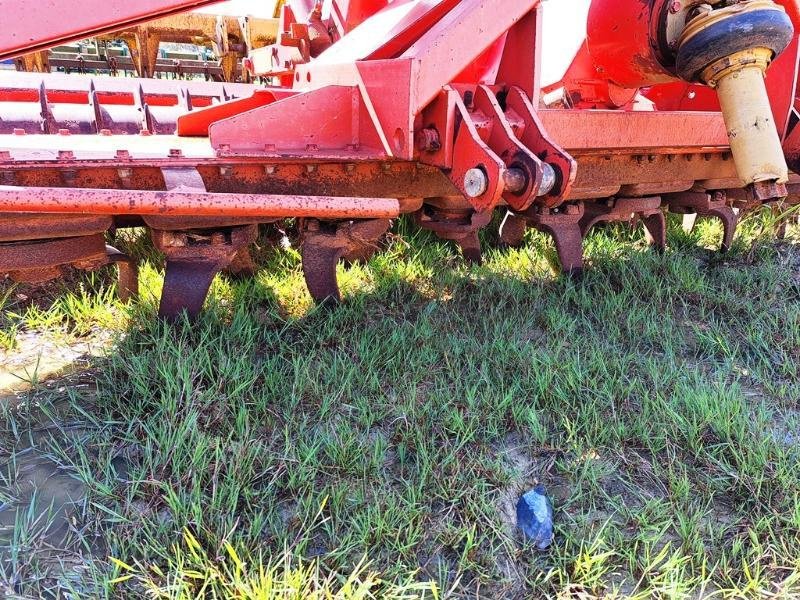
475,182
515,180
548,179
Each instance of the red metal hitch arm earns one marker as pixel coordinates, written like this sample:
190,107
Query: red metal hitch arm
44,24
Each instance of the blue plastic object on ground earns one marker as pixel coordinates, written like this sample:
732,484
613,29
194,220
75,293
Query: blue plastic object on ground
535,517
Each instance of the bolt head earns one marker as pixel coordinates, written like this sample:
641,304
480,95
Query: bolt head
475,183
549,178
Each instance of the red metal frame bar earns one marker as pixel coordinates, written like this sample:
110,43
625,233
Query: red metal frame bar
191,204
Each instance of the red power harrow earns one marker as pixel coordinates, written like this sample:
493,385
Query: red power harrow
380,108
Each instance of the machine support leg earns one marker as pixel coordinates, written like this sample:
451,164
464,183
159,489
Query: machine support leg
461,226
319,270
470,245
324,245
186,286
630,210
729,223
128,278
512,230
564,225
656,227
193,260
242,266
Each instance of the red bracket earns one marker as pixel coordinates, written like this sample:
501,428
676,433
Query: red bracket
538,141
507,146
472,152
503,141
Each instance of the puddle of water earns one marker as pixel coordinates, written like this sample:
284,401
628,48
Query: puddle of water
38,357
50,495
41,502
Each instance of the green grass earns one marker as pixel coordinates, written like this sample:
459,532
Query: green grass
378,450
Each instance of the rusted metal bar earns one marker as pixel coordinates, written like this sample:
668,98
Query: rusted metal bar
182,203
128,274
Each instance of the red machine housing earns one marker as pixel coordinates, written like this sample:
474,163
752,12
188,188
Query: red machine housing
426,107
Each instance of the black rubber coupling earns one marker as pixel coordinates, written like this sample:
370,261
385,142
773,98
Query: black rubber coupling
763,28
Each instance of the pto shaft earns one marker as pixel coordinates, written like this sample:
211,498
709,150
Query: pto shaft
729,49
755,143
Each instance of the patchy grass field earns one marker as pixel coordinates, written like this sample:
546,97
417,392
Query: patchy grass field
274,450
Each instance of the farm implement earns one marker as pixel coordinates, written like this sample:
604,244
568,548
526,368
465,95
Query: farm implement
378,108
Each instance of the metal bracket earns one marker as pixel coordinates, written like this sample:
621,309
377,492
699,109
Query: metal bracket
459,226
535,137
629,210
498,150
473,159
706,205
500,137
563,224
193,260
323,247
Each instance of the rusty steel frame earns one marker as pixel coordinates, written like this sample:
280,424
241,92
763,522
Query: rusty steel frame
399,115
186,203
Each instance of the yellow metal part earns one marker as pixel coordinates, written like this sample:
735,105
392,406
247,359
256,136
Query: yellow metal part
755,144
231,38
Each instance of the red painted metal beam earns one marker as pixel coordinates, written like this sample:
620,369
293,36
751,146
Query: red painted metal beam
32,26
181,203
611,131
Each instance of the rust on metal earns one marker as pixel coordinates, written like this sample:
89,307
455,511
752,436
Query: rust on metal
325,244
192,203
369,109
564,225
702,204
193,259
36,261
628,210
459,225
